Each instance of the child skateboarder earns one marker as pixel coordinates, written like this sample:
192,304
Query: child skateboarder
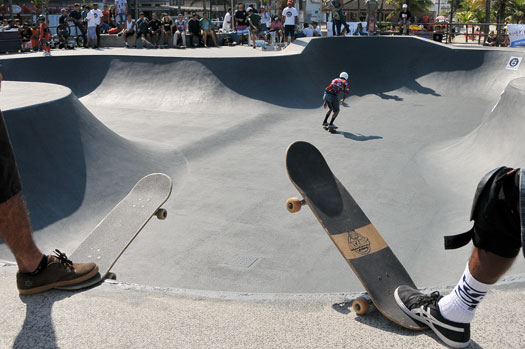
44,36
331,98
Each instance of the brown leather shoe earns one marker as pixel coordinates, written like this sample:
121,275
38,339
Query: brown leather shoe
59,271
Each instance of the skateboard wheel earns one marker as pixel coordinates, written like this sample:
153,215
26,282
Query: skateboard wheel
111,276
293,204
161,213
360,305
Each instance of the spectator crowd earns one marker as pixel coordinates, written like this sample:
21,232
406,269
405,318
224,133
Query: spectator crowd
84,25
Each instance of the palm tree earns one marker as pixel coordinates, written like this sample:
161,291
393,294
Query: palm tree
516,11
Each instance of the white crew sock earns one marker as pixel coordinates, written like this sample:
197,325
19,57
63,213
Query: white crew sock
460,305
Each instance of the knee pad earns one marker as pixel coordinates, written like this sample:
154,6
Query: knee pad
496,215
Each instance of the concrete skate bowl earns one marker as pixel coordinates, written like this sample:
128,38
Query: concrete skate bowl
73,168
403,150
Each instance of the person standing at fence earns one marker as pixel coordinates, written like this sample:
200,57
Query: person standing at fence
122,11
265,18
76,17
290,16
227,22
405,18
255,25
241,19
94,19
339,19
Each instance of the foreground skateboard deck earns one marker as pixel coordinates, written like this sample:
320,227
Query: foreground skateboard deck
110,238
365,251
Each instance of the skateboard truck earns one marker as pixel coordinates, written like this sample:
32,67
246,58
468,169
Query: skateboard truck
294,204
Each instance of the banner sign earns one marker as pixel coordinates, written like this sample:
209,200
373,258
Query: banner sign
516,34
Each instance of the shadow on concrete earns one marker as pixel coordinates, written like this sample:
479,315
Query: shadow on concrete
38,330
373,318
417,87
387,97
356,136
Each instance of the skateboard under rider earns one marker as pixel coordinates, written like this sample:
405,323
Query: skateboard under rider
110,238
364,249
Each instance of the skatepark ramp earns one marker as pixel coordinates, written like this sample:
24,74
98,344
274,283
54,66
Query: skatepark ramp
424,121
68,160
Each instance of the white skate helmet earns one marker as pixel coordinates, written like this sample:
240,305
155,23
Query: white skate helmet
344,75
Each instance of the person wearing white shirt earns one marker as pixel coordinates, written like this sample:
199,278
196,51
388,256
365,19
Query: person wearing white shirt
122,11
265,18
290,16
312,30
227,23
94,17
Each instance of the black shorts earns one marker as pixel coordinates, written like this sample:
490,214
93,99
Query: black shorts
9,179
289,30
497,224
128,34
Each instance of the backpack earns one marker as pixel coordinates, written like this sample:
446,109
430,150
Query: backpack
113,31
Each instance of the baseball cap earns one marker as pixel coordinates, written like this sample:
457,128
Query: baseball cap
249,9
405,5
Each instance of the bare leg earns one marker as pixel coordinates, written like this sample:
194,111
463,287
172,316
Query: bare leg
15,230
486,267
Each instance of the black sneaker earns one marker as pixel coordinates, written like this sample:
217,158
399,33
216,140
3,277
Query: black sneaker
325,124
424,308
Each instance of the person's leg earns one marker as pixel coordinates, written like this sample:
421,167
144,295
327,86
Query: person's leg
15,230
325,121
497,239
338,26
183,39
205,38
97,30
487,267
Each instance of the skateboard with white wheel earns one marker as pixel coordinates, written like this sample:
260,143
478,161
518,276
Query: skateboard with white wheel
110,238
356,238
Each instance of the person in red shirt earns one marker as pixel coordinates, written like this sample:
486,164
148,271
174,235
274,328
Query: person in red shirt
35,29
44,36
331,97
104,24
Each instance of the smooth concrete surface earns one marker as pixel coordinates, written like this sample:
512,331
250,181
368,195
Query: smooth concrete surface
415,137
133,316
